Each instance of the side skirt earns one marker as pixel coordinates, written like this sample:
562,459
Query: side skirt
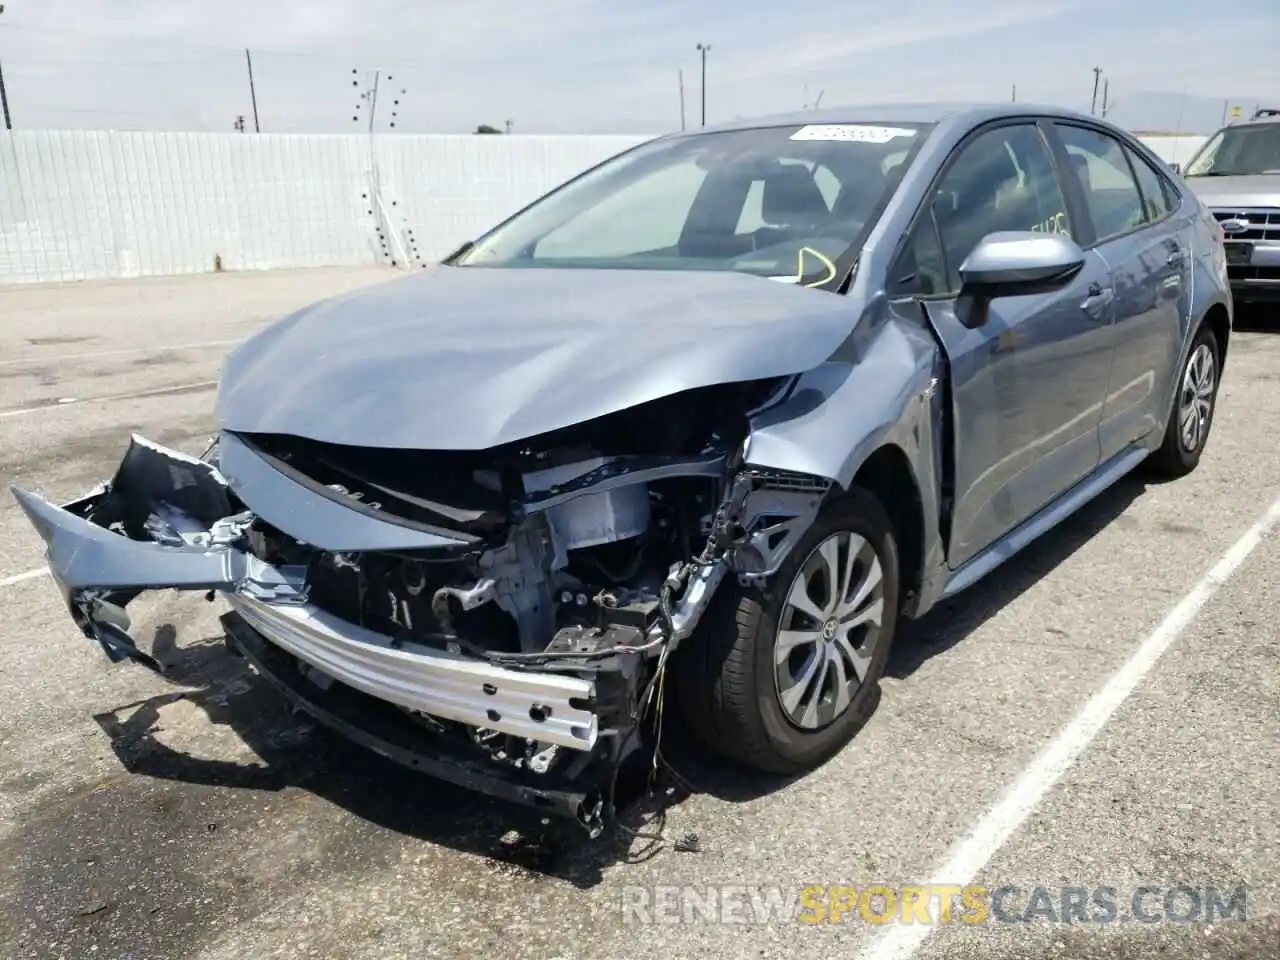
1041,523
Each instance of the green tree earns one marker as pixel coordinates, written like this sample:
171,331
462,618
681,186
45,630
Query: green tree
485,128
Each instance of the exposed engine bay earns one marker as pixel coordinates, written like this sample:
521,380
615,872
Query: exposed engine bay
569,565
596,549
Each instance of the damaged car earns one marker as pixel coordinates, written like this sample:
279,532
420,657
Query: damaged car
704,425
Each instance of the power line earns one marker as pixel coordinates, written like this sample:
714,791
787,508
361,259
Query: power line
210,51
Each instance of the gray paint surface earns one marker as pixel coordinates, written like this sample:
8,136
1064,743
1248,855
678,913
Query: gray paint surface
466,358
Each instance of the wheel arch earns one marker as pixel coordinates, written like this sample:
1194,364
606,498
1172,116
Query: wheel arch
1218,319
888,476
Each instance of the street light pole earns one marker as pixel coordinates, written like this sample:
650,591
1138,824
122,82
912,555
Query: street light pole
703,48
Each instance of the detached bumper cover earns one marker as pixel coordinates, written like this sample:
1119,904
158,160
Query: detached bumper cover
166,521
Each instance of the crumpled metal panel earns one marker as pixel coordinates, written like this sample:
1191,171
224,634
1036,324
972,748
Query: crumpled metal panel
467,358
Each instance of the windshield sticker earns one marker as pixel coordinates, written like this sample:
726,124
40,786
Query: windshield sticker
853,132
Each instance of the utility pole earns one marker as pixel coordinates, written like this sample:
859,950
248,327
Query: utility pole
4,101
370,96
1106,96
1014,98
680,73
508,123
703,48
253,93
238,126
4,97
1093,107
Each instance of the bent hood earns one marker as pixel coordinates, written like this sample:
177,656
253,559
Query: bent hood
1262,190
466,358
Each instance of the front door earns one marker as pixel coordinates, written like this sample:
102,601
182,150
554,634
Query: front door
1027,385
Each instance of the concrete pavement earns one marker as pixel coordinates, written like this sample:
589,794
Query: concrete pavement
194,817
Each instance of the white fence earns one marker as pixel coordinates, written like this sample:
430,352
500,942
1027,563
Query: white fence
78,205
1175,149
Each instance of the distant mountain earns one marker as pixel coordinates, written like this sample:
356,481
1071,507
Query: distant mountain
1163,112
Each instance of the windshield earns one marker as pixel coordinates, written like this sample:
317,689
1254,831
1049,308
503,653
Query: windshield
1244,150
790,203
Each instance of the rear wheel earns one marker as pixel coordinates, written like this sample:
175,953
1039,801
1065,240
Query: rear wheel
781,678
1193,409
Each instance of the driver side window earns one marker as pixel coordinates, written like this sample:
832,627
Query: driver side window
1003,179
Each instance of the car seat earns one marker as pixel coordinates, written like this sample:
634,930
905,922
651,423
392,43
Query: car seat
792,199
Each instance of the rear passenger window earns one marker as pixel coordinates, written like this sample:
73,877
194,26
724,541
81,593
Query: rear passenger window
1155,189
1110,191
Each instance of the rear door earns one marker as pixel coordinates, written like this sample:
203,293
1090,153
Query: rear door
1027,385
1137,233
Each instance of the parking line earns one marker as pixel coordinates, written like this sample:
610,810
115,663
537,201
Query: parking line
968,857
123,352
137,395
23,577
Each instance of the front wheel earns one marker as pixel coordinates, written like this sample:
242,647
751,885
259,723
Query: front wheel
780,679
1193,408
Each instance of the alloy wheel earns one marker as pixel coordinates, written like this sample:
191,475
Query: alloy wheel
1195,401
828,630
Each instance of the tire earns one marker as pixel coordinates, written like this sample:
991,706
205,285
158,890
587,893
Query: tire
1180,451
728,686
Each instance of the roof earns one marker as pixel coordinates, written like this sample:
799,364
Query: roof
898,113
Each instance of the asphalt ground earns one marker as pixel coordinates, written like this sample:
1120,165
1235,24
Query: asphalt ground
193,816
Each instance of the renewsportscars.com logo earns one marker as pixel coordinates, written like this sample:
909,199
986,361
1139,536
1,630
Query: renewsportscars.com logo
932,904
1013,904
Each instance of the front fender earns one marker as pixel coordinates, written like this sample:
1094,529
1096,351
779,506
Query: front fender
887,392
837,415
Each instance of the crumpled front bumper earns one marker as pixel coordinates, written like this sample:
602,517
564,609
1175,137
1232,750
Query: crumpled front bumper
168,520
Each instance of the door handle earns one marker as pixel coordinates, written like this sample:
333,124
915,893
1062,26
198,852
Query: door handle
1098,299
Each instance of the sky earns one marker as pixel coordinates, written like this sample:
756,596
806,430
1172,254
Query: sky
609,66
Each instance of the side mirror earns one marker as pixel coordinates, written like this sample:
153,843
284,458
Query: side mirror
1176,168
1018,263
